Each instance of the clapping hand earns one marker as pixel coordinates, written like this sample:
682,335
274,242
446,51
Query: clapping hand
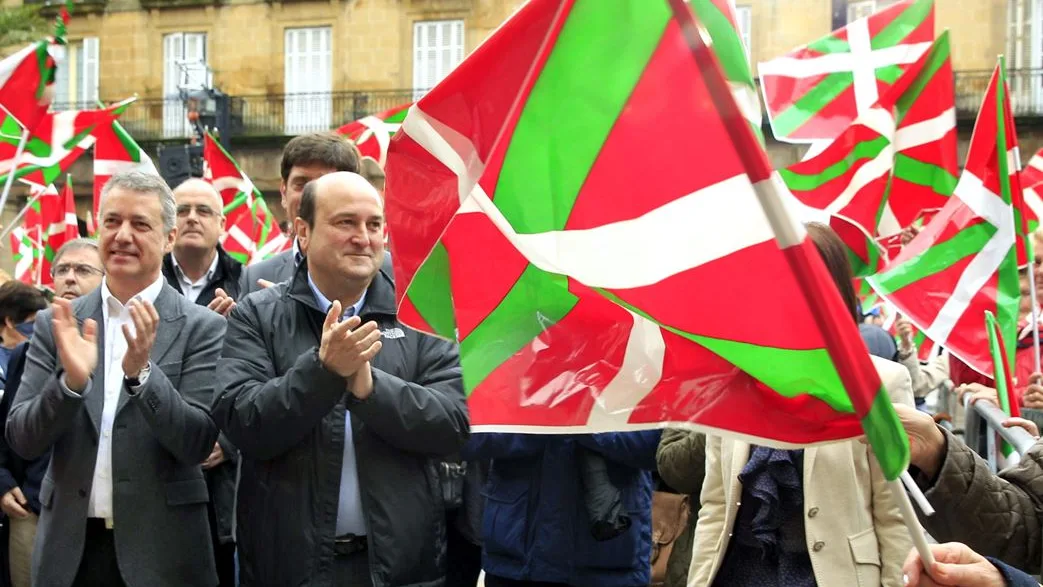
347,347
222,303
139,343
78,353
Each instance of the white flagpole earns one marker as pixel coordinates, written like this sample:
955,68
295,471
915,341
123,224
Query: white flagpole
14,167
18,218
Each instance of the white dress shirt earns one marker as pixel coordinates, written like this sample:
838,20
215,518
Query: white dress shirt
190,288
115,315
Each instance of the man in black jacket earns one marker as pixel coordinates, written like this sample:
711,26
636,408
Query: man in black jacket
342,414
203,272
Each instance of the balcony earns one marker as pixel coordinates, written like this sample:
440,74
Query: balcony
270,115
281,115
49,8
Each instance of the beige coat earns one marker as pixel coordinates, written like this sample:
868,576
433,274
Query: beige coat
855,534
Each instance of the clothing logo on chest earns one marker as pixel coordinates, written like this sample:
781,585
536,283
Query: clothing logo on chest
393,332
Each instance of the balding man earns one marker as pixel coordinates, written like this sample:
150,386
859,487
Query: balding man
200,269
342,422
198,266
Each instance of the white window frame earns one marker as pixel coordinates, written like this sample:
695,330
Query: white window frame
182,71
435,55
76,81
308,79
860,9
744,20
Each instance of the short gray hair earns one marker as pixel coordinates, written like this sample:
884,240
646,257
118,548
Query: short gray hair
144,183
75,245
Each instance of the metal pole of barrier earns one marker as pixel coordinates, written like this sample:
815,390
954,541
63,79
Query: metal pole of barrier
1021,440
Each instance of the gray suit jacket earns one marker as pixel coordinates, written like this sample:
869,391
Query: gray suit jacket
276,270
161,435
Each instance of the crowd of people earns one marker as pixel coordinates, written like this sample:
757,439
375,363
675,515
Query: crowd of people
173,418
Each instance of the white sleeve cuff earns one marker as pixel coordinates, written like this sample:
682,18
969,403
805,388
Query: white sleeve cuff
65,388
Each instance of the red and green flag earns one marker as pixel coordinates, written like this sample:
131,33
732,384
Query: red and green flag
251,232
49,223
814,92
27,77
516,232
372,134
964,262
1032,189
896,160
55,143
115,151
1004,367
27,245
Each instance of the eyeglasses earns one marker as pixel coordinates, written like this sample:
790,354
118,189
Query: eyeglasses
81,270
202,211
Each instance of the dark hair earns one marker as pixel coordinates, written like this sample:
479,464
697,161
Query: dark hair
18,301
319,148
834,255
306,211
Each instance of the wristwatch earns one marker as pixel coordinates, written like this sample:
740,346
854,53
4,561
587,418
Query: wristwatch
141,379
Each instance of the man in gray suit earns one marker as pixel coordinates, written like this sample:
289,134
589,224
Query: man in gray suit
117,384
305,157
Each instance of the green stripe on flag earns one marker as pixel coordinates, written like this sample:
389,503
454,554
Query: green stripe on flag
862,150
889,74
935,259
432,295
726,41
938,57
830,44
776,368
886,436
537,301
561,100
807,107
901,27
923,174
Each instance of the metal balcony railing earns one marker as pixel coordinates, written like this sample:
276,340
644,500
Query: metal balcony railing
293,114
152,119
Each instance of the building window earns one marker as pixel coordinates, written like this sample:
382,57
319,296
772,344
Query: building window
864,8
744,18
76,80
184,69
308,79
438,47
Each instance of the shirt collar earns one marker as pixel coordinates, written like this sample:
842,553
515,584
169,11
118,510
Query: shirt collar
298,256
148,294
325,303
209,272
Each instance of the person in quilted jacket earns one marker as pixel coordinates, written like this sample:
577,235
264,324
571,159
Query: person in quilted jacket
997,516
681,458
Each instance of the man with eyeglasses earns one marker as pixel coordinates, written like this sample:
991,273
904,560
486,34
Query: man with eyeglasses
77,268
198,266
77,271
205,274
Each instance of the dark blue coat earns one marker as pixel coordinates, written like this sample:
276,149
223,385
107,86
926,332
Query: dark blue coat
535,526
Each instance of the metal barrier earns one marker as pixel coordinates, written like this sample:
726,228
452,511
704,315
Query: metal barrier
984,427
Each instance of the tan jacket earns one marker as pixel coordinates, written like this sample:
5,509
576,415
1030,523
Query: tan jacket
855,534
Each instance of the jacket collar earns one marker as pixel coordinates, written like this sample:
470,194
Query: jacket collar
380,296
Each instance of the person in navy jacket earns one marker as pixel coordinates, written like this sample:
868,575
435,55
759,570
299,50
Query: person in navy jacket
536,528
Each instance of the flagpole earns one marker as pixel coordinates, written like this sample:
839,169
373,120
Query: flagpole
18,218
11,173
789,235
1035,310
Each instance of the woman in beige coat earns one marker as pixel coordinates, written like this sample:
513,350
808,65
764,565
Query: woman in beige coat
820,516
